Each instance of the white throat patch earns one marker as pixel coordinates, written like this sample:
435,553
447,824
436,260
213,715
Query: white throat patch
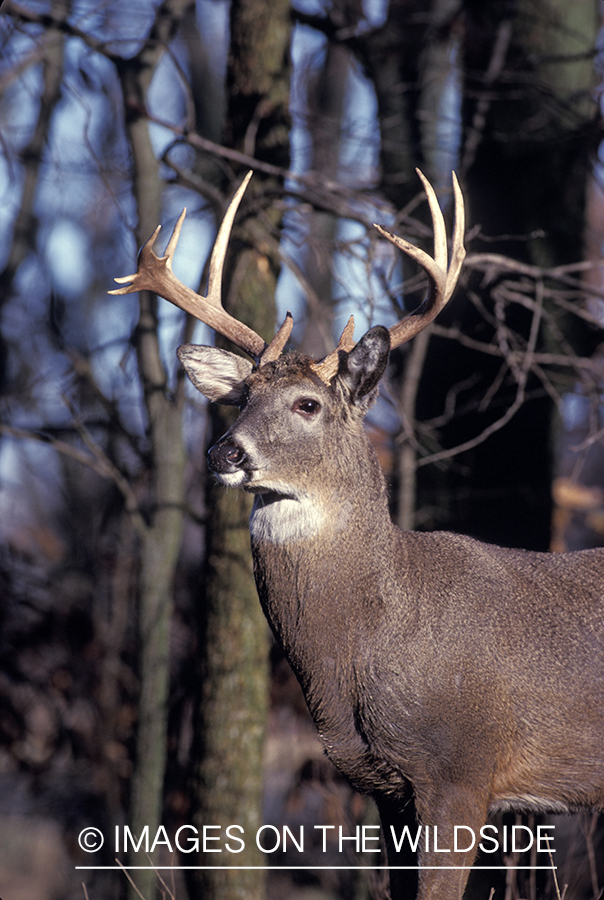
283,520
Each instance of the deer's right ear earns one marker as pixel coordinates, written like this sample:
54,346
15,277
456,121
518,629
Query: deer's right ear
218,374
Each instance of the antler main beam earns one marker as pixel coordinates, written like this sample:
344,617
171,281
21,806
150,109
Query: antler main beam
442,276
154,273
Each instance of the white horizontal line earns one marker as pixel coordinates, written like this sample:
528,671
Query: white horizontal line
318,868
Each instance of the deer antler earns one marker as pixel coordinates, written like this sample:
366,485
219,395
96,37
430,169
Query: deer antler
155,273
442,274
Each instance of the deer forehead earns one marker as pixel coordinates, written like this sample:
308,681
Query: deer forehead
289,369
281,386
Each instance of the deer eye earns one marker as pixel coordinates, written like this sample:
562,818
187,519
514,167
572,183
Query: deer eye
307,406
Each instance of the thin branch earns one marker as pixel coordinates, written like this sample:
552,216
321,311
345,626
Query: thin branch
127,874
333,196
96,461
171,893
61,23
522,377
83,369
494,69
493,264
507,263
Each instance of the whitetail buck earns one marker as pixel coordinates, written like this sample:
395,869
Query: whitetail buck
466,676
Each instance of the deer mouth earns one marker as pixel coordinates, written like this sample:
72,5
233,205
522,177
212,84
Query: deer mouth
252,482
235,478
268,491
267,496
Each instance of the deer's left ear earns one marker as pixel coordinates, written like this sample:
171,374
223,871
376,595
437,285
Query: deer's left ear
362,369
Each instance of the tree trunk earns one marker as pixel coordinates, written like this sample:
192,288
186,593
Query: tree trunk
234,644
325,106
161,534
410,60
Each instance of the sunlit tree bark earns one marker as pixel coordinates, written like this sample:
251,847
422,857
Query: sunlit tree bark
233,664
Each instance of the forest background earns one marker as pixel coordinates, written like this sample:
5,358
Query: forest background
138,682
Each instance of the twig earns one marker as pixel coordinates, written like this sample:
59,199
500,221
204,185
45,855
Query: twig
591,856
556,885
127,874
61,23
170,892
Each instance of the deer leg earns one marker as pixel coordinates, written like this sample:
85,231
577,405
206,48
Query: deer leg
451,820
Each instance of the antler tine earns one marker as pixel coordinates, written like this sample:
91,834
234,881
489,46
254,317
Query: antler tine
275,348
458,251
443,274
155,273
221,244
327,368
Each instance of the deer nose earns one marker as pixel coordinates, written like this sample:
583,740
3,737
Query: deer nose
225,457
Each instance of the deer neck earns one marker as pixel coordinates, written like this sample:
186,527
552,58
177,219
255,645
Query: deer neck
321,560
325,597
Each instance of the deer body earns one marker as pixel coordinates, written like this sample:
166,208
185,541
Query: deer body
449,685
466,677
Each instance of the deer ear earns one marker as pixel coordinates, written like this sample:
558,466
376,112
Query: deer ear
218,374
363,367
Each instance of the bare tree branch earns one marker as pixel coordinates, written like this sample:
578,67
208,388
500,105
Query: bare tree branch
96,460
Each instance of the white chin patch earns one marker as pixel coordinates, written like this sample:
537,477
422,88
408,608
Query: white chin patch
282,520
232,479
